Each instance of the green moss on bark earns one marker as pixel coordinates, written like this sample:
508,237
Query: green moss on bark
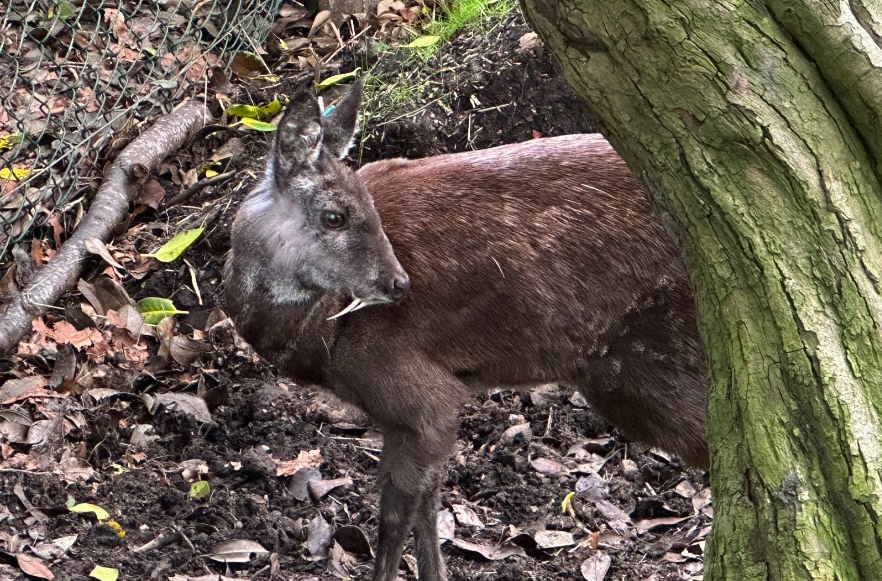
740,128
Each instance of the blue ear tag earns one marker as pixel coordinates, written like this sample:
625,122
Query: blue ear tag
329,109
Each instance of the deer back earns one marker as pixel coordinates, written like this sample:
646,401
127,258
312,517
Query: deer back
528,261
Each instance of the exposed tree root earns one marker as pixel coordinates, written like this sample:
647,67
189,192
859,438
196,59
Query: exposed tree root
108,209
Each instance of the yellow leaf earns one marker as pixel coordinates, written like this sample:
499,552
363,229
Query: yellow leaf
331,81
259,125
15,174
10,140
85,507
422,42
566,501
104,573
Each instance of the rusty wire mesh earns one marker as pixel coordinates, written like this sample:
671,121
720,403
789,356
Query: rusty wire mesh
76,75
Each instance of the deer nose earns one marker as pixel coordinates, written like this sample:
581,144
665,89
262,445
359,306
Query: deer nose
400,286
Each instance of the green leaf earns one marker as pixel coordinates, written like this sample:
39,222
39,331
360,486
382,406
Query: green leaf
259,125
85,507
270,108
70,501
104,573
155,309
331,81
422,42
65,10
10,140
243,110
176,246
251,111
199,489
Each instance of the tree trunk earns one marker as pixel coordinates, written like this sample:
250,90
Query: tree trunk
755,128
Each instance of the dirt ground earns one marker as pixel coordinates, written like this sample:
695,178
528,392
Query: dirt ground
135,442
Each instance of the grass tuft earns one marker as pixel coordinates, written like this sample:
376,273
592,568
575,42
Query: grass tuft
391,92
467,14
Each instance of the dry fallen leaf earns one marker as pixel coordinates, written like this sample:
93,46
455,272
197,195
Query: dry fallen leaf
353,540
49,550
150,194
320,20
518,434
701,500
615,517
104,294
589,464
530,41
595,567
15,388
488,552
95,246
446,525
186,351
659,523
318,541
304,459
339,561
319,488
554,539
238,551
466,516
57,229
189,404
685,489
299,484
34,566
549,467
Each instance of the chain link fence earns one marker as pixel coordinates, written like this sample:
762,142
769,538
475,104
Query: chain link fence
77,75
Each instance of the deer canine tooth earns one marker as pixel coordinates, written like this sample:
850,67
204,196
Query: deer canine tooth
353,306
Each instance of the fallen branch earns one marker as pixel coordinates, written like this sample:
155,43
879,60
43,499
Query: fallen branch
108,210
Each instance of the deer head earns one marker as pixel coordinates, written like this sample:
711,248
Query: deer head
312,224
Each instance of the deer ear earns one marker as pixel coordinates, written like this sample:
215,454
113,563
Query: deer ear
299,134
341,123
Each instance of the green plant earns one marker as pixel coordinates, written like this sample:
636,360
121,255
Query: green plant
413,81
473,14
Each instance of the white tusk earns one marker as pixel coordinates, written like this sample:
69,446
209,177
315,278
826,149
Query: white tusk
353,306
362,305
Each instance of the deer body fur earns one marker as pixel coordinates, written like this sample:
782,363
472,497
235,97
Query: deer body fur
522,264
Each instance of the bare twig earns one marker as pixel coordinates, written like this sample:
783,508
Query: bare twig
201,184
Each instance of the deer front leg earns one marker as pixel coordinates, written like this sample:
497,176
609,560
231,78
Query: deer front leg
409,470
425,536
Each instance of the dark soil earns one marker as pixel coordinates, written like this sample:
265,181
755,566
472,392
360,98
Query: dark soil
502,94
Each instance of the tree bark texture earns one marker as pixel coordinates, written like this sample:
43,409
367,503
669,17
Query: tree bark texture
755,128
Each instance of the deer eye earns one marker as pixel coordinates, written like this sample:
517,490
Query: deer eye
333,220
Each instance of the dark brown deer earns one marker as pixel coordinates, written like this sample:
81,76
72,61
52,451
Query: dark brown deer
518,265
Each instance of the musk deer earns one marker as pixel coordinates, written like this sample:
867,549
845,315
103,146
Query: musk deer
409,286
